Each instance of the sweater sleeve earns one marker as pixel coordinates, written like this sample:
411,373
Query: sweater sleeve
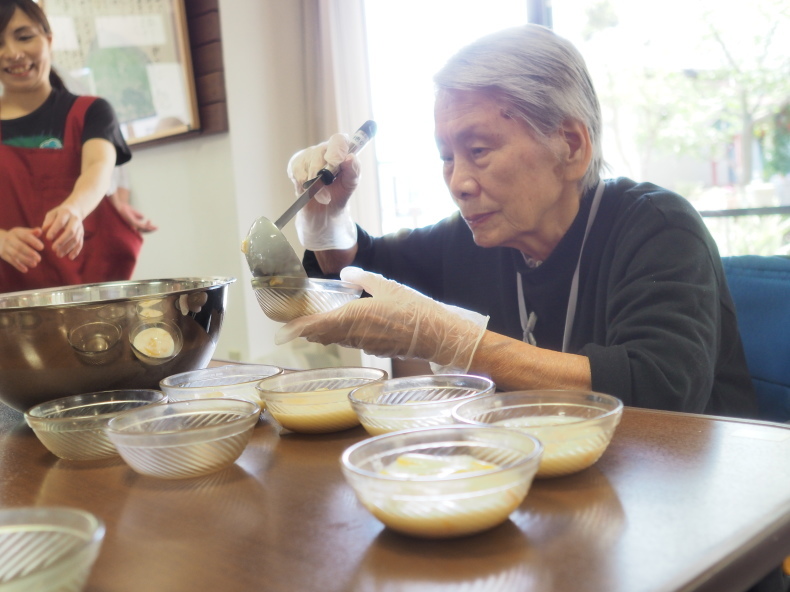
662,325
414,257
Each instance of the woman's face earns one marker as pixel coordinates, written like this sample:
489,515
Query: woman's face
512,190
25,56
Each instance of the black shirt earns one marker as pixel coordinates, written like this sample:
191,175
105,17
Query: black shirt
45,127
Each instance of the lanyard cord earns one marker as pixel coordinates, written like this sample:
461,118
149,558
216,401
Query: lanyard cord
528,321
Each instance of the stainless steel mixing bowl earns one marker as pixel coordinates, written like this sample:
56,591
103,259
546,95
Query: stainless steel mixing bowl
117,335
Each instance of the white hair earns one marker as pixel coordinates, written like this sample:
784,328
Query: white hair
539,75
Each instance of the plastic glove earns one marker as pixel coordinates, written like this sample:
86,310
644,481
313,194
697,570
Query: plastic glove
325,222
396,322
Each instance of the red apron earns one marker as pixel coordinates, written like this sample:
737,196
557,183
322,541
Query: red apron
35,180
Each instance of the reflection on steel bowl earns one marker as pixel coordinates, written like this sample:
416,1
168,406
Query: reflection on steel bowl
78,339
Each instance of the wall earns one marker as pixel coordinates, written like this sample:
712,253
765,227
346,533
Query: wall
204,193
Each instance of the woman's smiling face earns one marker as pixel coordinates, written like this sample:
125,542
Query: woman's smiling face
25,55
511,189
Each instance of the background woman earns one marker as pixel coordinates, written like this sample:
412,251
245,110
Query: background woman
57,155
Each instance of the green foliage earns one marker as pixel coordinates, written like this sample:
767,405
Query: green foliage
731,74
751,235
600,15
775,144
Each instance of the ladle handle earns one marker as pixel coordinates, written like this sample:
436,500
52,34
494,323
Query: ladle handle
327,175
358,141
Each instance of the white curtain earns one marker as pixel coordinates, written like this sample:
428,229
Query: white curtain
338,100
338,89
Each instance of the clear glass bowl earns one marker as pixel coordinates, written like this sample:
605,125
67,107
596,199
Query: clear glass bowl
316,401
465,479
47,549
184,439
284,298
414,401
73,427
575,427
236,381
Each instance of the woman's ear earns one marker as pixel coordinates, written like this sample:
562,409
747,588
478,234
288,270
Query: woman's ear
579,154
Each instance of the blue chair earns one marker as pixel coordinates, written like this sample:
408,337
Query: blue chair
760,287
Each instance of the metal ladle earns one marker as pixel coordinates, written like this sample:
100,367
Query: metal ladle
267,250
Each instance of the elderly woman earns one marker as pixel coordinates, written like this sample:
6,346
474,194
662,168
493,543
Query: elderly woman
547,276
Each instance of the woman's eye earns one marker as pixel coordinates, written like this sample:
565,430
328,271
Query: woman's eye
478,152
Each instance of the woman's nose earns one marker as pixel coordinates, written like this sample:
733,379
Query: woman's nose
10,50
462,182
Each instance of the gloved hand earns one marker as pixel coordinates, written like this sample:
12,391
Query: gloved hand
325,222
396,322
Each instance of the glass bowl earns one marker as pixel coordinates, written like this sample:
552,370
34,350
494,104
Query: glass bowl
236,381
47,549
414,401
284,298
316,401
443,481
73,427
575,427
184,439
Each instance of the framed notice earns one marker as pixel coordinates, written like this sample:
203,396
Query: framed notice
135,54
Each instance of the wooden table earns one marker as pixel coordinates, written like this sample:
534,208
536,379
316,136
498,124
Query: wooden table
678,502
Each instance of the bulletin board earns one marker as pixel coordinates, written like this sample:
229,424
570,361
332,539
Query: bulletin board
135,54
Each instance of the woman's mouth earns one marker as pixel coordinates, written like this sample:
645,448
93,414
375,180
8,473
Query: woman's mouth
19,70
476,220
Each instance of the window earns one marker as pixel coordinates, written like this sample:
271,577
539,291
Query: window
695,97
408,42
698,102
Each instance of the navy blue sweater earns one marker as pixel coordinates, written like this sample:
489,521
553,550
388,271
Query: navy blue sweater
654,314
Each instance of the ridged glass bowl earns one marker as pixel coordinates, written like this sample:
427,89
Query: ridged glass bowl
414,401
284,298
442,481
73,427
47,549
575,427
316,401
236,381
184,439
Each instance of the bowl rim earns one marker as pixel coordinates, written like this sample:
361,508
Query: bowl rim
37,515
617,408
317,373
218,372
31,412
368,404
213,282
533,456
288,282
181,407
